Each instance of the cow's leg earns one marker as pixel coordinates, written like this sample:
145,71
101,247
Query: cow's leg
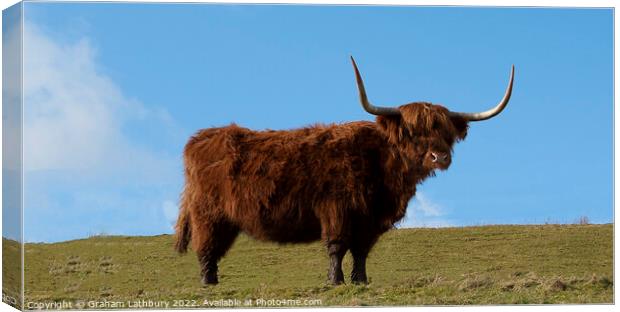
336,251
358,274
335,230
359,251
217,237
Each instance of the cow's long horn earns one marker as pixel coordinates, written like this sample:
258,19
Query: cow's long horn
375,110
493,111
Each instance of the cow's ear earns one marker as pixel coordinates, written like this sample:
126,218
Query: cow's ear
392,125
460,125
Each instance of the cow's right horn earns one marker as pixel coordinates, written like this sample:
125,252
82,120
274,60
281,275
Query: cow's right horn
493,111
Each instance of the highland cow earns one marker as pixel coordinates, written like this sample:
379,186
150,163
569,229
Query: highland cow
345,184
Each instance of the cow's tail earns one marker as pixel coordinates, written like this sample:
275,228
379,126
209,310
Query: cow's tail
183,229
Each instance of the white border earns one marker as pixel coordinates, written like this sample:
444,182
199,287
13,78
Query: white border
493,3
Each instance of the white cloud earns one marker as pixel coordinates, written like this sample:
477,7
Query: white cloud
170,212
95,159
423,212
74,115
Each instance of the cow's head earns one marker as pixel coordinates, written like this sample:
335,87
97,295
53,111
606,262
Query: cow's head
427,130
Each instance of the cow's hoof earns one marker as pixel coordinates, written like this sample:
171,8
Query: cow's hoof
209,280
359,279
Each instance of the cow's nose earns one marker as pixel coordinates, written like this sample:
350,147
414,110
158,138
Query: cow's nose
439,157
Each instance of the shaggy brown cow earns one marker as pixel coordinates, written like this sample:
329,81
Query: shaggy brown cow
345,184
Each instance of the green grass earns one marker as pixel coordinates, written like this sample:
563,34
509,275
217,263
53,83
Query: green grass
448,266
11,272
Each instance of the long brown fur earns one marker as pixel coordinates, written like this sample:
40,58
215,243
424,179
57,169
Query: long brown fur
345,184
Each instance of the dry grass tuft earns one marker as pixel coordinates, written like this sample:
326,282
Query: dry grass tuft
472,282
555,285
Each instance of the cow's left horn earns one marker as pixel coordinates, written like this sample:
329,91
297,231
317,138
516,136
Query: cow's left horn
493,111
375,110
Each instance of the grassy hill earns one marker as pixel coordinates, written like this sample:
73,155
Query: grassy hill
11,272
448,266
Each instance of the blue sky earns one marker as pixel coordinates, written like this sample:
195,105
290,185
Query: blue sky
113,91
